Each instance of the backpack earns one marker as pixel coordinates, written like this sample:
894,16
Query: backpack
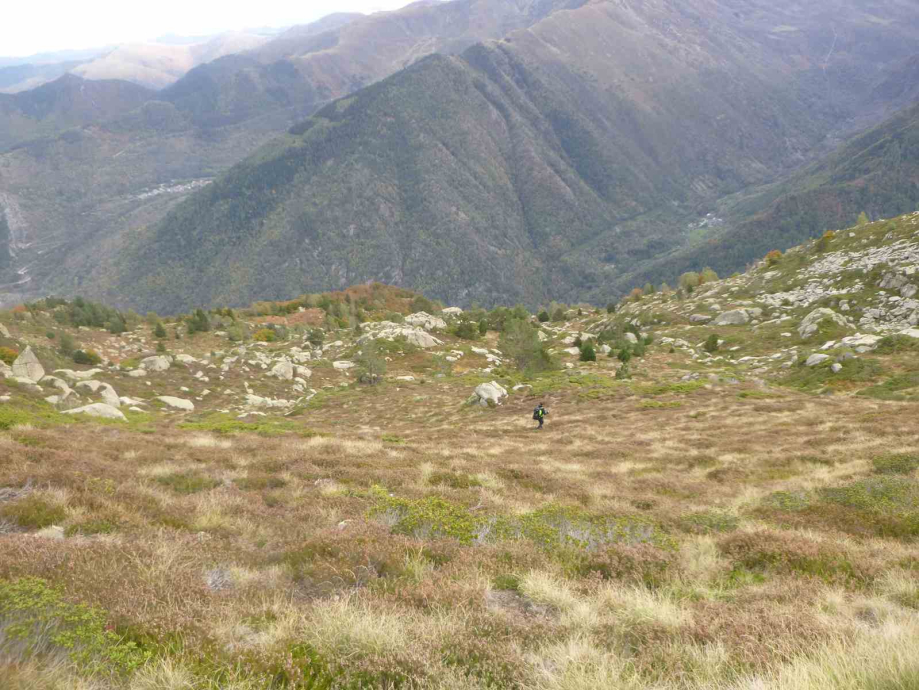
537,414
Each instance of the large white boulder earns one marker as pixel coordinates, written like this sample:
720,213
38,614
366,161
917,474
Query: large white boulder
27,366
3,332
156,364
177,403
486,393
452,311
812,321
100,410
426,321
735,317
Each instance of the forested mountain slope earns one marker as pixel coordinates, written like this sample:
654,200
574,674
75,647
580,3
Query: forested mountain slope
877,173
550,165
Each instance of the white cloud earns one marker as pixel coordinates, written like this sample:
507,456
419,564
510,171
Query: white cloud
35,27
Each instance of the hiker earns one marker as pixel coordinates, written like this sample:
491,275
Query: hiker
540,414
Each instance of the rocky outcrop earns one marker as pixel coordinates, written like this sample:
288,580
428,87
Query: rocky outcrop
426,321
812,321
386,330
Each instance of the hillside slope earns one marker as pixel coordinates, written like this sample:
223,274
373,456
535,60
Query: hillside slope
339,491
876,173
525,170
62,104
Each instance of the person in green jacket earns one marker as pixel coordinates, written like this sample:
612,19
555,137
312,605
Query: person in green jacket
540,414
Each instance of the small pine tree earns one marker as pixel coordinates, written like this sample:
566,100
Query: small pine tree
371,364
483,327
711,344
611,308
558,315
159,331
161,347
588,353
625,355
67,345
467,330
543,316
863,219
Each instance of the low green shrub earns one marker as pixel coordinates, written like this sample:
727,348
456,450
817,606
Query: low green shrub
87,357
33,512
187,482
33,610
903,463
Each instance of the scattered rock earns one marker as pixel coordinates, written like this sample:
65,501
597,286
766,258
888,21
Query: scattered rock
632,338
343,365
836,368
177,403
27,366
452,311
4,332
700,318
406,379
99,410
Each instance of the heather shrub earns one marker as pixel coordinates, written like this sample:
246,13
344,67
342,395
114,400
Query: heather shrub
265,335
8,355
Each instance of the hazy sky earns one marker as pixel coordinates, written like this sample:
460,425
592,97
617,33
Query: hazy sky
36,26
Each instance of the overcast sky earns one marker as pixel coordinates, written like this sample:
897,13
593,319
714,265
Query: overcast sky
37,26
